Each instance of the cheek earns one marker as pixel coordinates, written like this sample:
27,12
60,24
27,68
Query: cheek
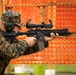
16,29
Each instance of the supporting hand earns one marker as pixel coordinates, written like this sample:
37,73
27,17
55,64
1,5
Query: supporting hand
52,36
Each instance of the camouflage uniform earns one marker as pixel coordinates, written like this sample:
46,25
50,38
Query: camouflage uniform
11,48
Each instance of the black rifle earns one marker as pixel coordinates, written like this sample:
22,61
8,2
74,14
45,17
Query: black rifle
40,31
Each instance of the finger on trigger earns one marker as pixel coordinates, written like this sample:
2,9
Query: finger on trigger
57,34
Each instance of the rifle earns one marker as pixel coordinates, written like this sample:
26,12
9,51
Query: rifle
40,31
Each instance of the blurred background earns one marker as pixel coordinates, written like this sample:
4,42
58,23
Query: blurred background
60,57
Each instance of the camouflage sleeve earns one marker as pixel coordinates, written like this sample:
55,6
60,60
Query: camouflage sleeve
13,50
34,49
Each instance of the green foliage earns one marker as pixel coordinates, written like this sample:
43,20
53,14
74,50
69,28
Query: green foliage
39,69
66,67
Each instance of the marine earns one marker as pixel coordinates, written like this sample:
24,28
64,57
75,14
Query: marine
11,47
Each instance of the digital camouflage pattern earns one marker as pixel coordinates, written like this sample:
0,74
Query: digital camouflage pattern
16,18
10,51
11,48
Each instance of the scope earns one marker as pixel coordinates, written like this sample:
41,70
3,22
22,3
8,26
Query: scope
42,25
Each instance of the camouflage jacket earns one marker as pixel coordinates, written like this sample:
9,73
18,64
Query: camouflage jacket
11,48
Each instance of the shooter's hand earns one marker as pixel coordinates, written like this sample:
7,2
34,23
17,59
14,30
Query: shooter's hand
31,41
52,36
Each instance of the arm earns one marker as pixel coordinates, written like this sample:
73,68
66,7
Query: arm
17,49
25,47
34,49
13,50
